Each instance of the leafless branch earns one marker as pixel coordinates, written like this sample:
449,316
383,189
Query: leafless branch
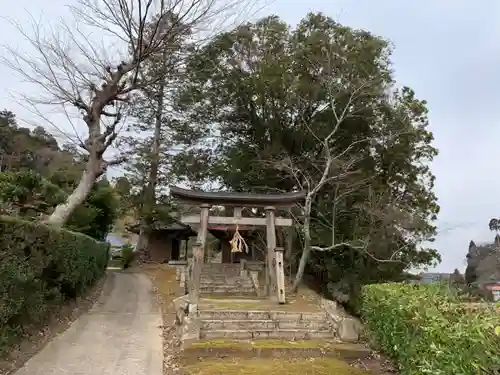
93,62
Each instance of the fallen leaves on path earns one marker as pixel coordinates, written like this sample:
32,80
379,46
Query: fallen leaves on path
167,288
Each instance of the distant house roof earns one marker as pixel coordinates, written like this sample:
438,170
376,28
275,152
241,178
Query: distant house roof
173,226
114,240
429,278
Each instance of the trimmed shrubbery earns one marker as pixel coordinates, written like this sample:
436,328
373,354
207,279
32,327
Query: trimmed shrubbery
428,331
40,267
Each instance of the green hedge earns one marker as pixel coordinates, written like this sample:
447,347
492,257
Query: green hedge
41,267
426,330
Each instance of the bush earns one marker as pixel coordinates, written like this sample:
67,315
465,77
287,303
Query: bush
127,255
28,194
426,330
40,267
96,215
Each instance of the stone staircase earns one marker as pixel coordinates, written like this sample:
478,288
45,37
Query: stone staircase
241,324
219,279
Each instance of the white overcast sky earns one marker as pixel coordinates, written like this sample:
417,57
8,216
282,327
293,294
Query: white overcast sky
448,51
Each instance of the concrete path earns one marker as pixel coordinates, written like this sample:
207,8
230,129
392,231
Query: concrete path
121,335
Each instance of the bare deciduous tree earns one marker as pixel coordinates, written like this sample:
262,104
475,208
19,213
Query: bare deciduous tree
336,166
75,70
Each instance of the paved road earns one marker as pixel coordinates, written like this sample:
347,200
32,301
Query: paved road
121,335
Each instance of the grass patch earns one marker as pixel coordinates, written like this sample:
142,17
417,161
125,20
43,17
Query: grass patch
320,366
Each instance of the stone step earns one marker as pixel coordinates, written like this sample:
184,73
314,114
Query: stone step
222,287
261,315
263,333
220,269
225,279
222,277
263,324
221,265
228,290
214,285
228,281
236,349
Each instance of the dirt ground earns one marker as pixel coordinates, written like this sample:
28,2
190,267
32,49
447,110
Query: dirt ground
168,289
61,319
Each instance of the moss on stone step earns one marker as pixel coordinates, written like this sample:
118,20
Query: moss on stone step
315,366
221,343
272,349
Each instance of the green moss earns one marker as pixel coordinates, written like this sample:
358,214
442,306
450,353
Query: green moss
260,366
278,344
274,344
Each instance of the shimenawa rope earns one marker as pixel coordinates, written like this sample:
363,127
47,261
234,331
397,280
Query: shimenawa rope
238,244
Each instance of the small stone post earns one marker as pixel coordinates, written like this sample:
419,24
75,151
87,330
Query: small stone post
243,268
271,245
202,232
280,275
194,287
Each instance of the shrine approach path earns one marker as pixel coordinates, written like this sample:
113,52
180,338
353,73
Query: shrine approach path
120,335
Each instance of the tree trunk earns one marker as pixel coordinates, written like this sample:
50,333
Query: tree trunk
143,243
307,245
149,196
64,210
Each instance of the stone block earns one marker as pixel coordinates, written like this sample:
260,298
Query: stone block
313,325
190,330
286,316
259,315
229,334
261,334
316,317
181,305
319,335
349,329
288,334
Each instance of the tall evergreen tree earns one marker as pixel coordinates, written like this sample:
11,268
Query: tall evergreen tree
276,108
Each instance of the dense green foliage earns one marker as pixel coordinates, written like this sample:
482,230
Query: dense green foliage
96,216
37,175
27,193
41,267
261,101
428,331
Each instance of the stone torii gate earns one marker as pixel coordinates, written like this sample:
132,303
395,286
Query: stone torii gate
275,276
